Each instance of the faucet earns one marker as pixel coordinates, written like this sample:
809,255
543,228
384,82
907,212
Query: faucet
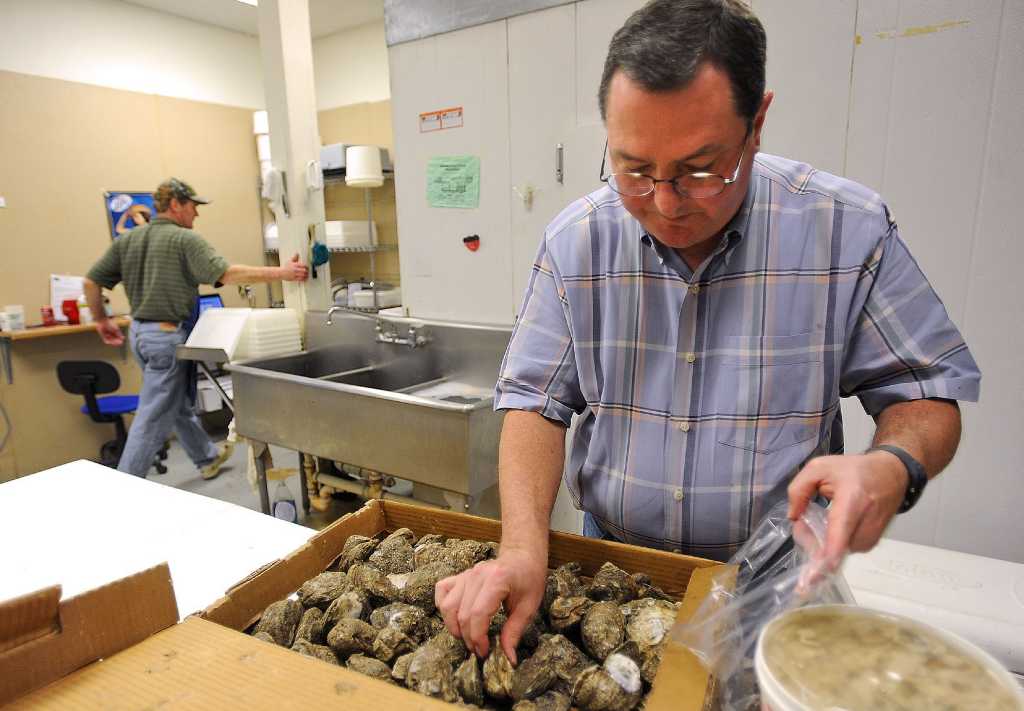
331,311
416,338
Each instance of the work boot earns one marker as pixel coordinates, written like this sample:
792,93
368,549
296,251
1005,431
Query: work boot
224,452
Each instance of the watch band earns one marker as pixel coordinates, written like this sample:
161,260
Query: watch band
918,476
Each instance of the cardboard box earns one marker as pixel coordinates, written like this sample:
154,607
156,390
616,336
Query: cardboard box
205,662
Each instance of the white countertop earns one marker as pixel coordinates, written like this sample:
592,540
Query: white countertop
81,525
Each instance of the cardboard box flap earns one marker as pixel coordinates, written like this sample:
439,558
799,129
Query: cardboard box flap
201,665
27,617
44,640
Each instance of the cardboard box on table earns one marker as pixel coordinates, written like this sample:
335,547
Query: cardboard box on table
145,659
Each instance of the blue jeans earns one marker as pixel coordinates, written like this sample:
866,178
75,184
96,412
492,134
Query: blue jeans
591,529
163,403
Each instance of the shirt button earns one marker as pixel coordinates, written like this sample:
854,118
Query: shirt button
678,494
691,358
694,289
684,426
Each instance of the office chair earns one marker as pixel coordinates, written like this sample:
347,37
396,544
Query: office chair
90,378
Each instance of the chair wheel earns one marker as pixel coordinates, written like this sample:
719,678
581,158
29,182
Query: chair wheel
162,454
160,468
110,454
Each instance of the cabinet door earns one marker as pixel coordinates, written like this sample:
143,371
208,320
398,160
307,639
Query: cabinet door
541,90
441,278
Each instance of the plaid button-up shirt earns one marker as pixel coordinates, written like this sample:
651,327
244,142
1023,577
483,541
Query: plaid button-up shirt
702,393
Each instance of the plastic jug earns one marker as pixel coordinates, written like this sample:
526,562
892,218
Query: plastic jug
283,506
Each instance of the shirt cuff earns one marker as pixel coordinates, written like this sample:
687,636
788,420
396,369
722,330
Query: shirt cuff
534,402
875,400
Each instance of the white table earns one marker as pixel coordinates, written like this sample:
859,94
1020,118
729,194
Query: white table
81,525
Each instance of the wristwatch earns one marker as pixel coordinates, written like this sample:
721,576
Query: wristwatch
917,474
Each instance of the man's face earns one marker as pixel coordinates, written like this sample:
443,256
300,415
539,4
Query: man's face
689,130
183,212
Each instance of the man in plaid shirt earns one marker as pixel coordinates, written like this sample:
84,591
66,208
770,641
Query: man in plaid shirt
703,314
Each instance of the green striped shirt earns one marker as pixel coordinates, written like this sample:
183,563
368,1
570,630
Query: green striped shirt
162,265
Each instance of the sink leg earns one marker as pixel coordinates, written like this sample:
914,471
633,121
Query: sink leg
305,477
458,503
262,452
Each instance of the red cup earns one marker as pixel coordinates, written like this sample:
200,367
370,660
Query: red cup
69,307
47,313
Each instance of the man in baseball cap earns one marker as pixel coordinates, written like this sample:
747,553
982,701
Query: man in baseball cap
162,264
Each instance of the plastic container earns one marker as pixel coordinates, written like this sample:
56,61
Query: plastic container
821,657
284,504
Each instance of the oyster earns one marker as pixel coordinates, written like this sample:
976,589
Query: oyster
429,538
317,651
394,554
311,626
280,620
648,624
451,647
352,605
563,581
647,588
531,635
430,674
612,583
459,559
401,667
264,636
603,629
434,625
473,550
537,673
356,550
469,682
566,658
391,642
613,686
370,667
374,583
350,637
550,701
323,589
498,672
565,613
409,619
419,588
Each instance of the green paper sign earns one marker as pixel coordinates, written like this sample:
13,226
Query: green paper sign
453,181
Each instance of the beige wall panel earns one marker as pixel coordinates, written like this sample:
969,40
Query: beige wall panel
62,145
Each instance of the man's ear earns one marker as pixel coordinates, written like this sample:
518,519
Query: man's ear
766,101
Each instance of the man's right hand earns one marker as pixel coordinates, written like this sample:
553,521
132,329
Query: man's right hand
110,332
294,271
468,601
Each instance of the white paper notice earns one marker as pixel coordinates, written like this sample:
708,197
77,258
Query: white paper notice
63,287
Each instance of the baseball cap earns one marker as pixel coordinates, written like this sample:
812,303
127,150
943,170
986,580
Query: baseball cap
181,190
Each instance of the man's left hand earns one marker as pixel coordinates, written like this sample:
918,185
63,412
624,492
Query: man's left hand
866,490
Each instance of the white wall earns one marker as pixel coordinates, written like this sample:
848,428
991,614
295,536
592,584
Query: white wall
123,46
351,67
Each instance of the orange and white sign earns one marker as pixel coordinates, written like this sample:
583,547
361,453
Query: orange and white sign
442,119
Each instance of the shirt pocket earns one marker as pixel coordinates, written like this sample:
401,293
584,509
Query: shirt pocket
773,395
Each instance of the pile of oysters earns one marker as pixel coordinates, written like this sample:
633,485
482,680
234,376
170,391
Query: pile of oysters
595,644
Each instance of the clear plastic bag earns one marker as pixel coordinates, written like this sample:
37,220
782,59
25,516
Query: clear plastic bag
777,569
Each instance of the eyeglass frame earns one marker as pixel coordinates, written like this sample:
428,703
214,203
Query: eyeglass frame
703,175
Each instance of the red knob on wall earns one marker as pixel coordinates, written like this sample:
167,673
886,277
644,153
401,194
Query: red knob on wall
472,242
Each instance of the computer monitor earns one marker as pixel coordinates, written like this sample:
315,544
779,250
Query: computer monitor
210,301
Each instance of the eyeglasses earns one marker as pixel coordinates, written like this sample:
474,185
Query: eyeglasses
694,185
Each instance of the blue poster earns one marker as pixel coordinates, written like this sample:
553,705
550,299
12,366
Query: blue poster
127,209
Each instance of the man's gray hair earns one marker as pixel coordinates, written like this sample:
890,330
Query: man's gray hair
664,43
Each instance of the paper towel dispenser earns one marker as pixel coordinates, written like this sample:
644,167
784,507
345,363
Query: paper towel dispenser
332,159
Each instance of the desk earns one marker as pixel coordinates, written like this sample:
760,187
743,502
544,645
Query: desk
8,337
81,525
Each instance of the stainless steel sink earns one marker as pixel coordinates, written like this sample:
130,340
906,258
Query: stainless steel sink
423,414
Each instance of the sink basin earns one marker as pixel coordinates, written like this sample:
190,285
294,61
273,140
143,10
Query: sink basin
423,414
